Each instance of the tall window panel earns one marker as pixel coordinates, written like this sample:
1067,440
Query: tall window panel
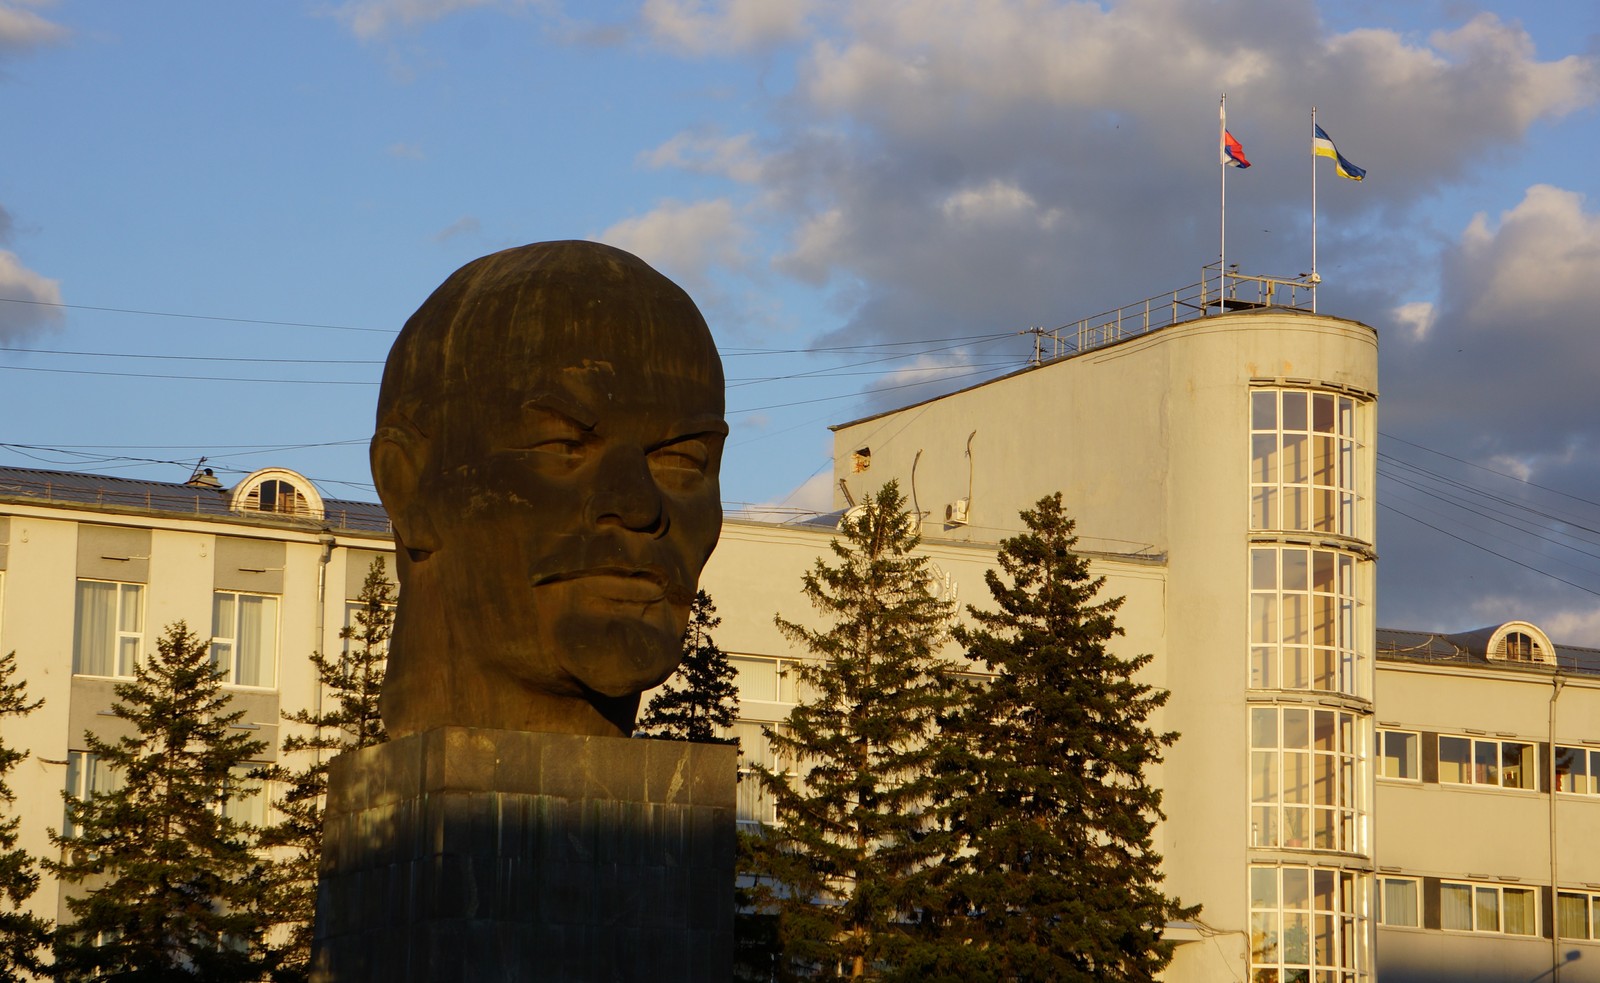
1306,462
108,628
244,637
754,805
1308,779
87,778
1308,925
1306,620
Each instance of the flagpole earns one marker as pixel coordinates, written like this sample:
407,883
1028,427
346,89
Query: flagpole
1222,164
1314,280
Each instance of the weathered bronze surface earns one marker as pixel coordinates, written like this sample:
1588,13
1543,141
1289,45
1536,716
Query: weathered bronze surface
549,434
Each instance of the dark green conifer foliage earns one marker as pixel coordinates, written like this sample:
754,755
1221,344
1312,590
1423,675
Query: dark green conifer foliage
1059,880
348,720
845,866
23,935
700,700
166,887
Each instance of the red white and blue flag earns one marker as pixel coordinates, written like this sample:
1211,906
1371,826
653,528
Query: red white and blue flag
1232,152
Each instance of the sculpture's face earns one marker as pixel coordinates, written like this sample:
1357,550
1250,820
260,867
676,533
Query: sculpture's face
576,503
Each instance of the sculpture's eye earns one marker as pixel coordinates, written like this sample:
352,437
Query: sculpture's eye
681,462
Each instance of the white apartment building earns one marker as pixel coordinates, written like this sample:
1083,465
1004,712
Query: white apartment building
1347,804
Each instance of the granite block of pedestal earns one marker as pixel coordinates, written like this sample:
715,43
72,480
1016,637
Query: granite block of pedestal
463,854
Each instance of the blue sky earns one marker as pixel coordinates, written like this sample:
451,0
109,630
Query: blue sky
188,186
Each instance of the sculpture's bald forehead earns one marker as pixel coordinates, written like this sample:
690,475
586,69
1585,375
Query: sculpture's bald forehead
502,316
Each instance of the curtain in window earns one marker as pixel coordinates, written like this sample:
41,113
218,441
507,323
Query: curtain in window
1455,907
258,640
96,628
1519,916
1572,916
1400,902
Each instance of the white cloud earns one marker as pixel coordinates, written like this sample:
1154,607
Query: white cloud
404,151
686,241
29,295
465,225
997,201
699,27
368,19
21,28
732,157
1415,319
813,496
1579,626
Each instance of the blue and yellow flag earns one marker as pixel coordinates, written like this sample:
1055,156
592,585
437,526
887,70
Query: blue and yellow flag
1322,146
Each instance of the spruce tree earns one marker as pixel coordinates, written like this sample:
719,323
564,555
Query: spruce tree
169,887
846,864
349,720
1058,879
23,935
700,700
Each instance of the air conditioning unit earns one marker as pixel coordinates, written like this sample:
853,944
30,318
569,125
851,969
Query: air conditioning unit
955,514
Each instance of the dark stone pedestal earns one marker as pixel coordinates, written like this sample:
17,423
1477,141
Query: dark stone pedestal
486,855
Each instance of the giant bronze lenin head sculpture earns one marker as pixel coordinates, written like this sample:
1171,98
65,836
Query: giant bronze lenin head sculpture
549,434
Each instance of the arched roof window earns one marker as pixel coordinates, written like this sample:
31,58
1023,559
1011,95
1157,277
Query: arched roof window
278,491
1520,641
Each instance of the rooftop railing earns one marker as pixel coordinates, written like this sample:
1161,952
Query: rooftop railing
1218,292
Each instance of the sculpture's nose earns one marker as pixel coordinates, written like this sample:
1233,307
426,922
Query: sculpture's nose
626,494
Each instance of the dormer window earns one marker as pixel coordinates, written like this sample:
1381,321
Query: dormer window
278,491
1521,642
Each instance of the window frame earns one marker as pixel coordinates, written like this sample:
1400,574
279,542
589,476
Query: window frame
81,765
1381,755
229,641
119,636
1591,775
1591,915
1477,891
1341,931
1307,615
1317,788
1316,467
1381,904
1477,761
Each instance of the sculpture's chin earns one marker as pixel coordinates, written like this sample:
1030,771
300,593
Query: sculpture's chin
620,658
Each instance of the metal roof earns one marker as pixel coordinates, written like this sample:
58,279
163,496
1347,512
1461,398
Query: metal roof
1467,648
113,493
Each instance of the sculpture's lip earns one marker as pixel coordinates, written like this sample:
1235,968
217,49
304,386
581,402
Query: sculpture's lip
650,573
647,584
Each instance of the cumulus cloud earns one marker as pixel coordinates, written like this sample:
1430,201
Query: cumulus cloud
465,225
1515,319
733,157
699,27
368,19
28,308
686,241
21,28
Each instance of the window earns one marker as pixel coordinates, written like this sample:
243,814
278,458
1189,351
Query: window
1475,761
244,637
247,798
1578,770
1398,901
108,628
764,680
754,805
1307,779
1577,915
274,495
1494,908
1398,755
1308,923
1304,621
1305,461
87,777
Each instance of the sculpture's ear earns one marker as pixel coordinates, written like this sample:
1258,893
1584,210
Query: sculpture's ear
399,452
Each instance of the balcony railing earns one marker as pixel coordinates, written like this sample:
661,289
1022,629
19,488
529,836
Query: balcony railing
1218,292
